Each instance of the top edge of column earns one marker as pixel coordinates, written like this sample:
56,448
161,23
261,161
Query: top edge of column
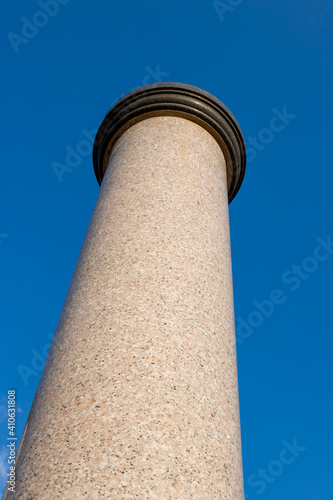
175,99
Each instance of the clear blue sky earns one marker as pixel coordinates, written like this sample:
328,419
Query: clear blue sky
271,64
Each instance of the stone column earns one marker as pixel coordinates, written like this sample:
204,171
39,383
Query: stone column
139,397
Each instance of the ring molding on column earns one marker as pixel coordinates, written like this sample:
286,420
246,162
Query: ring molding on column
174,99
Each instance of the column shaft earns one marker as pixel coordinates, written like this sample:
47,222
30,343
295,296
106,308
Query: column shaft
139,396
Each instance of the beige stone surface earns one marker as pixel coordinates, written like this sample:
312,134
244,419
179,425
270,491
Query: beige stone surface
139,395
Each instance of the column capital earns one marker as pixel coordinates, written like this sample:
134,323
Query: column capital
174,99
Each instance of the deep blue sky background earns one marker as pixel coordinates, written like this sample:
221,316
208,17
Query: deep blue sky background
262,56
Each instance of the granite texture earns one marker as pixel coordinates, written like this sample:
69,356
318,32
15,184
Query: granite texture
139,398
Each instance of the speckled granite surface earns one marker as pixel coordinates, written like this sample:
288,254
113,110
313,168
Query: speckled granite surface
139,395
